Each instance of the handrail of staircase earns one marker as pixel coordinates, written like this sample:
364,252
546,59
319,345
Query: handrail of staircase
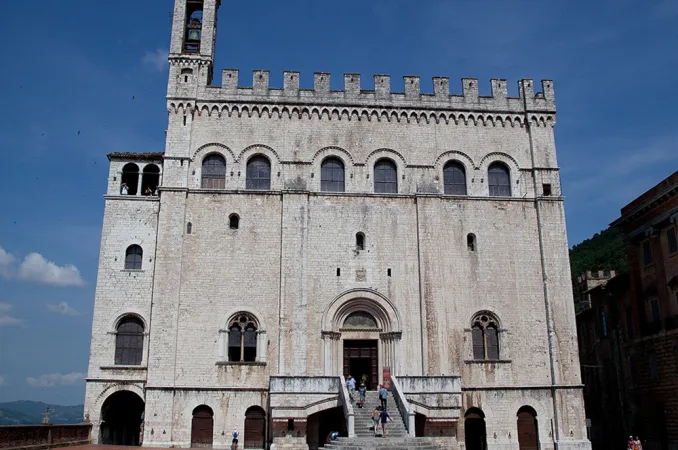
348,407
405,411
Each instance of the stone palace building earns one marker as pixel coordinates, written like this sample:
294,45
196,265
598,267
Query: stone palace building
288,237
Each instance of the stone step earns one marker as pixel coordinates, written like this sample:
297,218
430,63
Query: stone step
396,438
390,443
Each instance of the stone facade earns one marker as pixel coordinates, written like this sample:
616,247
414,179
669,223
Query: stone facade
584,283
629,336
429,264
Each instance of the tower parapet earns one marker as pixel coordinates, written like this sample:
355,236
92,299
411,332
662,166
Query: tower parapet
382,95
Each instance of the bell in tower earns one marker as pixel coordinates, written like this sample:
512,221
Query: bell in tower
193,26
194,32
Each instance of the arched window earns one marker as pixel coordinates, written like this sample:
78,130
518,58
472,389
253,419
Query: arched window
385,177
150,180
485,337
129,181
499,180
332,175
189,228
133,257
129,342
258,173
233,221
193,27
471,242
360,241
213,172
360,319
454,178
528,435
242,339
186,74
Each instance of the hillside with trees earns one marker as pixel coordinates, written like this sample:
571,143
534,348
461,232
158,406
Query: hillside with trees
602,251
32,413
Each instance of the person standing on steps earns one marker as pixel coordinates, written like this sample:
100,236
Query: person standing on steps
375,420
385,417
361,391
383,395
350,384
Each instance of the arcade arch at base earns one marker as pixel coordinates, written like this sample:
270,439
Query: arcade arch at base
361,331
121,419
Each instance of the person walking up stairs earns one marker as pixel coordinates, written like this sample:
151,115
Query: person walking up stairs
366,438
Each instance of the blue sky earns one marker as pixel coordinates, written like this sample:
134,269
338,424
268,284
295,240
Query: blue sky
88,78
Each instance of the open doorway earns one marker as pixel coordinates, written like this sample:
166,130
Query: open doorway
360,361
474,428
121,416
321,424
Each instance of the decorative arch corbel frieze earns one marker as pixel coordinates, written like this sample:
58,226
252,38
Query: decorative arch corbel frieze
359,113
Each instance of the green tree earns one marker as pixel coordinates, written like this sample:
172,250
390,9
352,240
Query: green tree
602,251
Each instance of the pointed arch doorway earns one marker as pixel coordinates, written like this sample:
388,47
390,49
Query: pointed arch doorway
361,333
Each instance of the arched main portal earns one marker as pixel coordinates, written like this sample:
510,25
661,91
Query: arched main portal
474,429
360,356
121,417
361,333
528,437
202,427
255,427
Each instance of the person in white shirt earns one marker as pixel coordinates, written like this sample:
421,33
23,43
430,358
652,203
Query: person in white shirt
350,384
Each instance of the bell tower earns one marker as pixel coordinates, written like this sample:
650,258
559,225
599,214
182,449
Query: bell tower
191,55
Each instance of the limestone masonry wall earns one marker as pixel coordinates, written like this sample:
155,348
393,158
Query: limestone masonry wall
431,262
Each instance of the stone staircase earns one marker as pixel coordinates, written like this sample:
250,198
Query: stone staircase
396,434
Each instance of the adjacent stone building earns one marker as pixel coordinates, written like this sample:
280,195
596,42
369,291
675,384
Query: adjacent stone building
628,330
604,339
288,237
583,285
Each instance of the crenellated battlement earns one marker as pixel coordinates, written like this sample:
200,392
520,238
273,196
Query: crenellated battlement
382,95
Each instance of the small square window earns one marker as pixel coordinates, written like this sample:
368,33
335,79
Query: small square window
547,189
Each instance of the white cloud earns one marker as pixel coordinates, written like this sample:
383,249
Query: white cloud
2,381
156,59
39,270
6,261
62,308
5,319
56,379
